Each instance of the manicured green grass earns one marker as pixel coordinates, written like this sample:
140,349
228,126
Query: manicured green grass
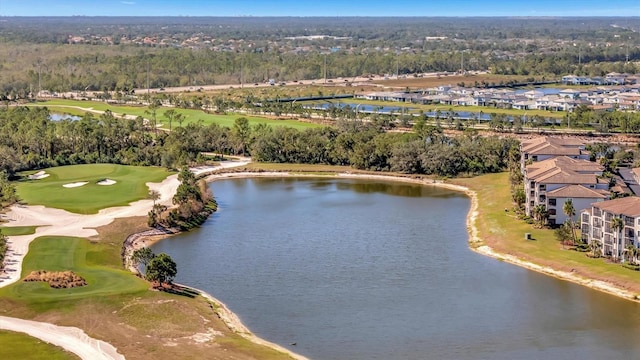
17,230
190,115
88,199
92,261
15,345
505,233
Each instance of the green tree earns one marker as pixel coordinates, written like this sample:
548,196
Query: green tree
162,269
142,256
596,248
152,110
3,248
617,224
540,214
570,211
564,234
242,133
170,115
153,195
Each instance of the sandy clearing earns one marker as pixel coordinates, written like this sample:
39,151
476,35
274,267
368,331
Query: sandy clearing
106,182
65,337
39,175
75,184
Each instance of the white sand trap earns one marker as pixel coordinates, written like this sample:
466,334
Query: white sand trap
39,175
106,182
75,184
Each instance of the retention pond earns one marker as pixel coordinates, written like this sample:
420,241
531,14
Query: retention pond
362,269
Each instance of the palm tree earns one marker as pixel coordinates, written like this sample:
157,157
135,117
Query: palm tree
540,214
596,246
153,195
570,211
617,224
630,250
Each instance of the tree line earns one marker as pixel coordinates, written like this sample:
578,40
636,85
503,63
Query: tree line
30,140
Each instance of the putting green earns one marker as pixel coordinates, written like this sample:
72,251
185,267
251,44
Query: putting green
15,345
88,259
89,198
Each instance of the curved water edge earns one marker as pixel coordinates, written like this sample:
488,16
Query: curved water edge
475,243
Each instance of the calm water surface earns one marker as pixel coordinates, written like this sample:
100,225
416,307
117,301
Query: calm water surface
352,269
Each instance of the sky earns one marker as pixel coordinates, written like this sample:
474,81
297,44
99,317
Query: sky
320,8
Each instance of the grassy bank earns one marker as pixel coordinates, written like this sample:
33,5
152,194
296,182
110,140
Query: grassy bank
95,262
117,307
88,199
190,115
17,230
15,345
503,232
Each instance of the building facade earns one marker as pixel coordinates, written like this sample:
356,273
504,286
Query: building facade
598,223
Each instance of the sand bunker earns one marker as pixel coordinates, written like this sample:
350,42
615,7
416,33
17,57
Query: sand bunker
39,175
106,182
75,184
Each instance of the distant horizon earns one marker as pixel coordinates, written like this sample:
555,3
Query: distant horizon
328,8
327,16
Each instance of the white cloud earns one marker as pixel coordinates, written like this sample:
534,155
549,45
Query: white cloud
128,2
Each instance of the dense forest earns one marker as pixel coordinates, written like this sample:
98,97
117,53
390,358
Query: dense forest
29,140
88,53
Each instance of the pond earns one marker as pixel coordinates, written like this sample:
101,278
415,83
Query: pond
363,269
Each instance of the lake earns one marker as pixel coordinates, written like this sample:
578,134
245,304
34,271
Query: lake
362,269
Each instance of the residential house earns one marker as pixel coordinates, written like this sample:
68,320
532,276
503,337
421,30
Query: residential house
597,224
616,78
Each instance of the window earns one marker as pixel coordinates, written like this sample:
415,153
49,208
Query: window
552,202
552,212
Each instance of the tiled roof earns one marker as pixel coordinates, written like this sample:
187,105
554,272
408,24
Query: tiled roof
564,162
577,191
628,206
532,144
565,177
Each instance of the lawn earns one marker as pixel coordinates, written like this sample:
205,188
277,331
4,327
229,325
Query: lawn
15,345
91,260
88,199
190,115
505,233
17,230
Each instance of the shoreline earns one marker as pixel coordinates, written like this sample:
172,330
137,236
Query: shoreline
231,320
475,243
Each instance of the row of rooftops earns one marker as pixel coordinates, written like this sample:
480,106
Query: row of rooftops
540,98
554,146
563,169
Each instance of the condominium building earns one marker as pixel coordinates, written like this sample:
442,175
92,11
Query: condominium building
554,181
598,224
